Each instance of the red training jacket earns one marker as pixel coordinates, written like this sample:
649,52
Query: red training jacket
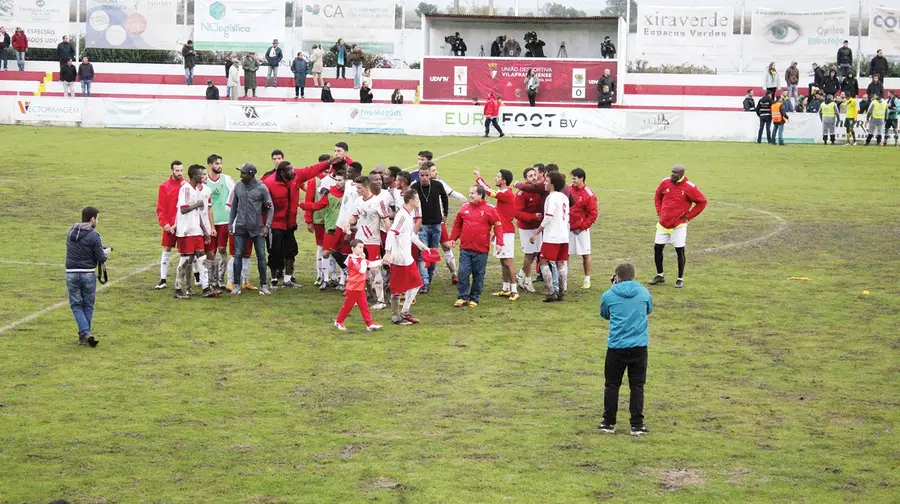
311,195
491,106
477,220
167,202
583,212
528,206
286,194
506,205
19,41
674,200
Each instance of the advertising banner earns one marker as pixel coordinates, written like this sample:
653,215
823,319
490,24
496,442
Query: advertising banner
377,120
684,31
368,23
252,118
884,30
131,114
798,36
562,81
237,25
137,24
528,121
44,21
655,125
47,109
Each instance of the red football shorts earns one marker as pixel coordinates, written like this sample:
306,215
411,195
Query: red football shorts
189,245
373,252
404,278
319,230
555,251
168,239
221,235
335,242
248,247
445,236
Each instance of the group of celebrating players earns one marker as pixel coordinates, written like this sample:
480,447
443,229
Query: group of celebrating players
385,231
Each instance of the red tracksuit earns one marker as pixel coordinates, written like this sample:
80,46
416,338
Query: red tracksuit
674,200
583,212
286,194
355,290
477,219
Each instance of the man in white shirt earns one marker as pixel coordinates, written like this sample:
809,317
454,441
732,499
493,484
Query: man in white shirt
368,218
192,233
405,277
555,229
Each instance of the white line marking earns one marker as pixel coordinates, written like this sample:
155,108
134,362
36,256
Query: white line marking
56,306
28,263
460,151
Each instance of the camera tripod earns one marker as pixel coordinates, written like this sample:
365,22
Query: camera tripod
562,53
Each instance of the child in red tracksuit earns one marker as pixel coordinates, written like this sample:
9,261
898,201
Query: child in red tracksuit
355,290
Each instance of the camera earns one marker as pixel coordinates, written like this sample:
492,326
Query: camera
534,47
497,46
457,44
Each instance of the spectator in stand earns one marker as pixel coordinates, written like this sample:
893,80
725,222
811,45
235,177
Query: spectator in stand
397,97
497,47
212,92
20,45
365,94
86,76
250,66
531,86
491,112
5,45
326,93
850,86
801,105
779,118
356,59
189,55
606,98
831,85
512,49
65,52
67,76
818,78
792,80
863,105
764,112
879,66
367,78
317,60
341,52
229,61
876,88
234,78
787,105
749,102
607,48
299,67
845,59
274,56
607,80
815,102
771,85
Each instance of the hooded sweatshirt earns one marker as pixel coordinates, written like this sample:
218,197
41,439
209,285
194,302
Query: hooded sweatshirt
626,306
84,249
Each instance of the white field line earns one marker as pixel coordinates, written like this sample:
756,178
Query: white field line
29,263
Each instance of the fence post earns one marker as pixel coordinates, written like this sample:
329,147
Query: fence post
78,29
859,40
741,69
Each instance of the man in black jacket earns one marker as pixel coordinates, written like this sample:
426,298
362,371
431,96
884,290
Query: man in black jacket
749,102
65,51
845,60
84,251
212,92
435,206
850,86
607,48
875,88
818,78
5,48
878,66
764,112
607,80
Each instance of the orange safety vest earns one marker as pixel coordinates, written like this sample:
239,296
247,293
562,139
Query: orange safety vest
776,112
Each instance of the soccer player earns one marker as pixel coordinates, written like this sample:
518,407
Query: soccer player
405,277
678,201
249,201
355,293
472,226
368,218
193,232
555,246
852,114
209,247
893,114
333,246
315,189
220,185
277,157
435,207
506,208
348,206
529,214
445,236
581,218
166,210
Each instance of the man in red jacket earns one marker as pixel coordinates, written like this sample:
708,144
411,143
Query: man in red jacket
284,186
678,201
20,45
582,217
491,113
529,214
166,210
473,225
506,208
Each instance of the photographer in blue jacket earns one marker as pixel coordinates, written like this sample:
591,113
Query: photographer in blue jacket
84,251
626,305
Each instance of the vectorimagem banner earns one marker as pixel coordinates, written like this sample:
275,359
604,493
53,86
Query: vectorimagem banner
562,81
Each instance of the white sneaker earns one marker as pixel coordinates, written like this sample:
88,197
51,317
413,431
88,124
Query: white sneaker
161,284
339,327
264,291
379,306
529,285
586,284
373,327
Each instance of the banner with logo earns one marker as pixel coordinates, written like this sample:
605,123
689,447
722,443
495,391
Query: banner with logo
562,81
368,23
131,114
43,108
252,118
884,30
798,36
44,21
702,32
238,25
135,24
377,120
526,121
655,125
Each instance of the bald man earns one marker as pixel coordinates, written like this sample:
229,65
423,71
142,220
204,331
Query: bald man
678,201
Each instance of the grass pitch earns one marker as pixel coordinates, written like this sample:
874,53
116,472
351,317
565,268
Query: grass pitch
760,388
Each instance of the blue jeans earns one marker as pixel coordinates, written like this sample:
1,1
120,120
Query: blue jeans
259,243
471,263
189,76
430,234
4,58
778,134
85,88
357,74
82,291
20,60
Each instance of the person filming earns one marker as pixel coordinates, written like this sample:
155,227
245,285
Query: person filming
84,251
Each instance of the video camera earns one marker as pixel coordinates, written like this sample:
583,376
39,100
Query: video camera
452,39
457,44
531,36
534,47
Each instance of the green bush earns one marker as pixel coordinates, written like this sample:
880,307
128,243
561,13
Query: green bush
642,66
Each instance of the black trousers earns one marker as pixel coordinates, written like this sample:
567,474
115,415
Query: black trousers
531,97
618,360
487,126
765,122
340,71
282,245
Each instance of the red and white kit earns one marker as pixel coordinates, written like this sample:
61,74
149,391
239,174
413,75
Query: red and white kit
556,227
400,242
190,226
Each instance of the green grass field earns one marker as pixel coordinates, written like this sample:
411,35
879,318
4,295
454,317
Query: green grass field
760,388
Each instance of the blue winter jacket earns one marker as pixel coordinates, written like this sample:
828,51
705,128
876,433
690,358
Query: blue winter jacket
626,306
84,249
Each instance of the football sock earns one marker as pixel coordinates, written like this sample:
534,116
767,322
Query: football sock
410,297
547,276
220,269
210,267
679,251
514,287
229,271
328,268
164,264
451,261
564,277
183,273
195,267
204,272
377,285
395,307
505,286
320,265
658,257
587,278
